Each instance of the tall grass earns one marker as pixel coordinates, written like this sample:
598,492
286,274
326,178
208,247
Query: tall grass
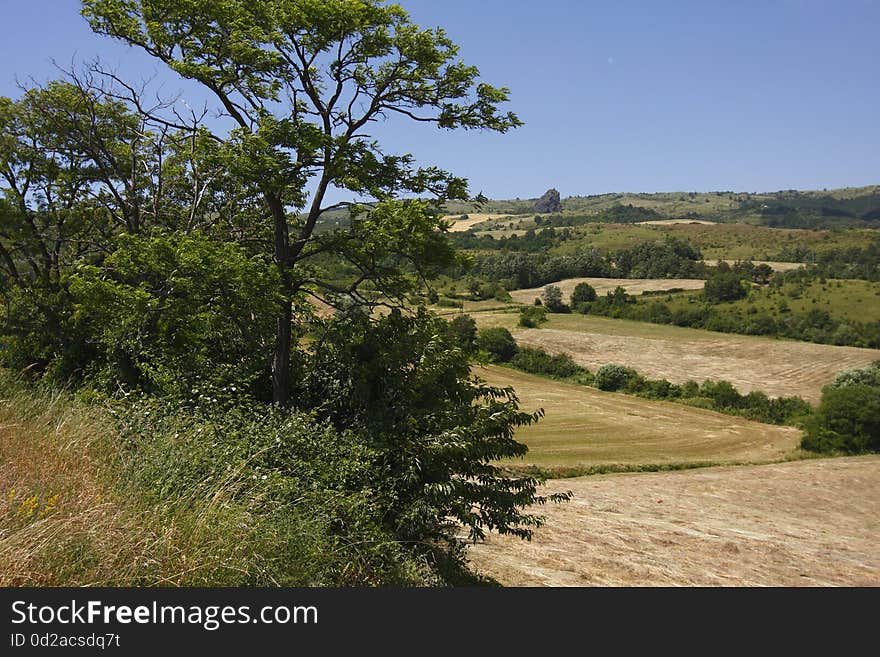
80,506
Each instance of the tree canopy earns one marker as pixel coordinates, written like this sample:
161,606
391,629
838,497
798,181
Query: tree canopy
302,81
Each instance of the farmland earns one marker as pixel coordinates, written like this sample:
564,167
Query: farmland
777,367
586,427
604,285
804,523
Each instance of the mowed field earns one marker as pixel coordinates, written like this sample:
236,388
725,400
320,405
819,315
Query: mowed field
587,427
776,367
802,523
605,285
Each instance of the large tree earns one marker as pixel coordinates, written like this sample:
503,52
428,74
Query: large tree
302,82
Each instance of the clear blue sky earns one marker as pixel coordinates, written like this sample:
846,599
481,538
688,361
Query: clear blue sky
616,96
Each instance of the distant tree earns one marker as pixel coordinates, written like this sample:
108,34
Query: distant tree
762,273
498,342
847,420
724,286
552,298
583,293
464,328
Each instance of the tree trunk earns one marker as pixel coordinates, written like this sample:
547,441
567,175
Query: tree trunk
281,357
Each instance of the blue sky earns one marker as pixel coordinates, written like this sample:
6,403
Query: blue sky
616,96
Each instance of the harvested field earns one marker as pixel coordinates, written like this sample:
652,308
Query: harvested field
587,427
673,222
803,523
777,367
604,285
473,218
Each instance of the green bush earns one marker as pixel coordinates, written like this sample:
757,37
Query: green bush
464,331
538,361
497,342
847,420
614,377
583,293
532,316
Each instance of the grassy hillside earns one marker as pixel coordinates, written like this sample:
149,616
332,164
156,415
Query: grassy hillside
852,206
94,498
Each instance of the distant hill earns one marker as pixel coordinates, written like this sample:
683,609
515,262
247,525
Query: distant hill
851,206
836,208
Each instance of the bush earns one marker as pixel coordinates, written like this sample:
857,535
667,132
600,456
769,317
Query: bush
847,420
464,331
614,377
538,361
583,293
552,298
498,342
532,316
869,376
724,286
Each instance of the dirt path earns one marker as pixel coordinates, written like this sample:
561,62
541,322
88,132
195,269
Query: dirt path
802,523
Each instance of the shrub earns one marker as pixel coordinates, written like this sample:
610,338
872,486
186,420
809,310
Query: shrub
464,331
847,420
538,361
583,293
498,342
532,316
869,376
724,286
614,377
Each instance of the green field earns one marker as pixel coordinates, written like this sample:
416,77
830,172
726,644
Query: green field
584,427
846,299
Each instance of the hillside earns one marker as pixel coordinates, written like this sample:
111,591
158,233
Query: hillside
851,206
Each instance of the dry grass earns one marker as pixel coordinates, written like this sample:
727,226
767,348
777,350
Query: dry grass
64,521
776,367
812,523
605,285
56,504
587,427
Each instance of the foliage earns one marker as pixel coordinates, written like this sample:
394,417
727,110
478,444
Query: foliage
847,420
724,284
869,376
582,293
170,311
302,83
614,377
464,330
401,384
497,342
551,297
538,361
532,316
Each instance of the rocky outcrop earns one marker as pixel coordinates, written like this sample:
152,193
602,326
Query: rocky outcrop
549,202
